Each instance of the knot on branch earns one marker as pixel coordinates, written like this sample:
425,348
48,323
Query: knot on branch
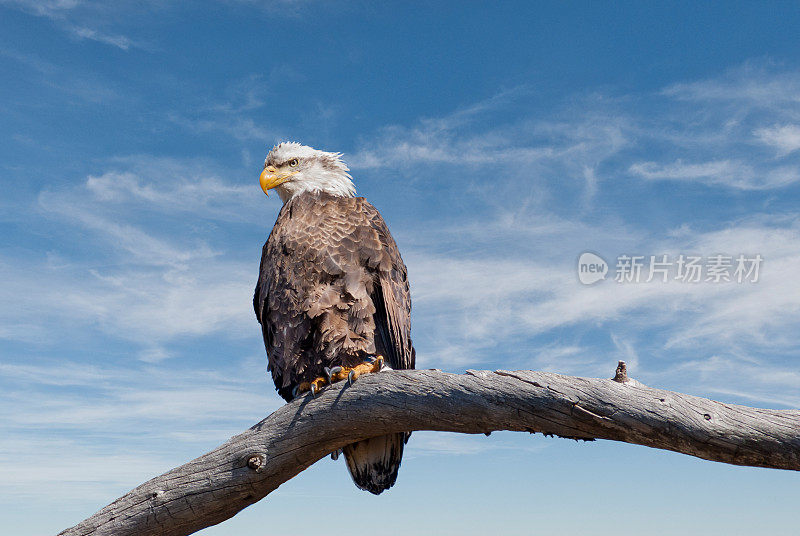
621,375
256,462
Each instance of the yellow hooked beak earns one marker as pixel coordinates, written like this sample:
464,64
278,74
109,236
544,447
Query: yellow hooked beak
270,178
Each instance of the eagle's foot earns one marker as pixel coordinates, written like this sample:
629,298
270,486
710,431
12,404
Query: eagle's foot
337,374
373,364
315,386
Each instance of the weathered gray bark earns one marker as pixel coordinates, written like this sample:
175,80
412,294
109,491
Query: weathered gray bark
215,486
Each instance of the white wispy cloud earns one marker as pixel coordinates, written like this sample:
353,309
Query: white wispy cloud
119,41
740,376
86,473
731,173
511,278
153,278
714,131
88,86
684,128
208,196
470,304
241,128
232,112
759,84
74,16
117,425
147,303
474,139
784,138
109,22
45,8
142,246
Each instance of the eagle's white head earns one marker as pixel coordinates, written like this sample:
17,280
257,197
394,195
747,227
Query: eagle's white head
292,169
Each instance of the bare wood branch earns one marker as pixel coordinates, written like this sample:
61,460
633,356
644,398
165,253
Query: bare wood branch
215,486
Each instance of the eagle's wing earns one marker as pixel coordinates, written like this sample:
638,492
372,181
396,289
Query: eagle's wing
392,300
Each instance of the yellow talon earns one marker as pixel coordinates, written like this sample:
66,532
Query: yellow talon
343,373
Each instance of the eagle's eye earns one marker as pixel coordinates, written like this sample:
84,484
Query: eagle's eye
293,162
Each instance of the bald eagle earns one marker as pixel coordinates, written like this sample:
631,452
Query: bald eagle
332,296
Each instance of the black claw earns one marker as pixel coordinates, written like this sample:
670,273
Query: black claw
327,374
313,390
294,391
351,377
369,360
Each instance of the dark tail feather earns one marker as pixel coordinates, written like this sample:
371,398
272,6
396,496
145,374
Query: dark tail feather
373,463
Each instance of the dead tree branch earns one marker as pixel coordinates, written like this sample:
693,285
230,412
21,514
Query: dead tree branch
215,486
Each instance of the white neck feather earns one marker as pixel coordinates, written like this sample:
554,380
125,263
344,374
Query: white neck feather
317,179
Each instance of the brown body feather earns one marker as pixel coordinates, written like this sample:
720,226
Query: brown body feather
333,291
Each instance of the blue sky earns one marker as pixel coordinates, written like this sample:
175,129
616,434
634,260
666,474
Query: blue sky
499,142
